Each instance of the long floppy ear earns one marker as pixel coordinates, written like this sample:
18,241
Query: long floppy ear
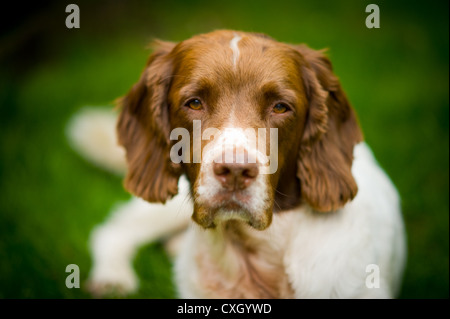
143,129
331,132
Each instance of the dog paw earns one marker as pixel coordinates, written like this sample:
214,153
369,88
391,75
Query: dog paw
116,284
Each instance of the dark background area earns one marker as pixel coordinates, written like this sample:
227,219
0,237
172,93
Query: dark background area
396,77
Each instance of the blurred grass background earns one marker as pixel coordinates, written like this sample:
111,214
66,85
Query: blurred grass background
396,78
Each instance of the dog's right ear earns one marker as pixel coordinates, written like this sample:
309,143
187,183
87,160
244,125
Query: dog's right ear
143,130
331,132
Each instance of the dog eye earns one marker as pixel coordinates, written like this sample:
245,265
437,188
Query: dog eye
195,104
280,108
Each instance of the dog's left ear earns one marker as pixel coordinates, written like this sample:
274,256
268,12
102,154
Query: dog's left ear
331,132
143,129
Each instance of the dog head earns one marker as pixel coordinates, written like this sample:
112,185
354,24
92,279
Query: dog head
268,127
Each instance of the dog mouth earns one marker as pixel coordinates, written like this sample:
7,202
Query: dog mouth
230,206
231,200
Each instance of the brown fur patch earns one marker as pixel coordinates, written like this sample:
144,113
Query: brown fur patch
143,129
331,132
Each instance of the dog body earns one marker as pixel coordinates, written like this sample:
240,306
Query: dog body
325,223
304,254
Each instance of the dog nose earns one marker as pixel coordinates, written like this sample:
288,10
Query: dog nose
235,176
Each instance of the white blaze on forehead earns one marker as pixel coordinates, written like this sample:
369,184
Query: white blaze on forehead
234,47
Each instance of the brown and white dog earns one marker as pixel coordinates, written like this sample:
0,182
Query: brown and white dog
325,224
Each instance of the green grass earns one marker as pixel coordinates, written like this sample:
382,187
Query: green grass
50,199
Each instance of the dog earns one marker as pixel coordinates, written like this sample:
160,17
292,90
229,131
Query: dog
323,222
